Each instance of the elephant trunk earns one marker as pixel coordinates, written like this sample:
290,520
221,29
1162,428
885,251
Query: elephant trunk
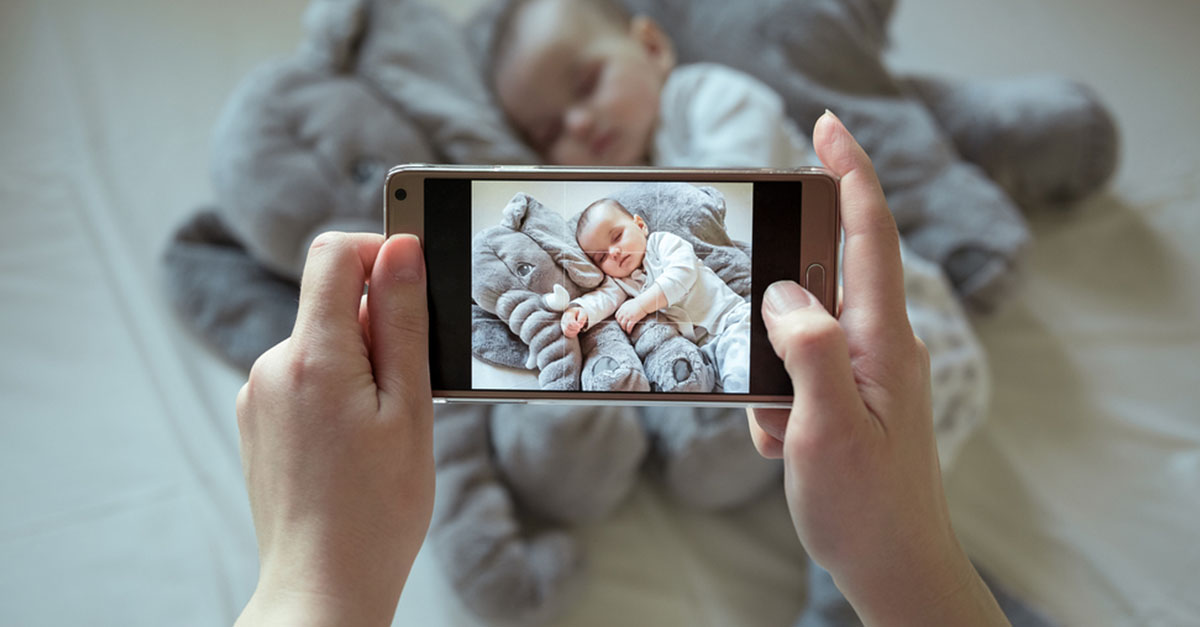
503,573
557,358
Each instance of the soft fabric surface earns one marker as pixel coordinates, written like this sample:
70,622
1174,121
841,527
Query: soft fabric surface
122,490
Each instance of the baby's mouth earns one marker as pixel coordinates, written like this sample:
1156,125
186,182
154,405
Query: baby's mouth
602,143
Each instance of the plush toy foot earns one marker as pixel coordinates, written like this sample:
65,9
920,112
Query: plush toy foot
984,279
705,458
1043,139
610,363
673,362
568,464
971,228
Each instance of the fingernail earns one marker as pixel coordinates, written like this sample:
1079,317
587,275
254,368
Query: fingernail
785,296
406,262
829,117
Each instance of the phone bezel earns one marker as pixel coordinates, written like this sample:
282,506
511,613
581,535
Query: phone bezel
820,236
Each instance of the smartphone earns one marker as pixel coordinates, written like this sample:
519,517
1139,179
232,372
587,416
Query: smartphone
639,286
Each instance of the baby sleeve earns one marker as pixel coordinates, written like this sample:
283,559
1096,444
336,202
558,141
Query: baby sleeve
601,302
674,263
715,116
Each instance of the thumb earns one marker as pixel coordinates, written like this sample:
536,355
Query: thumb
813,348
399,318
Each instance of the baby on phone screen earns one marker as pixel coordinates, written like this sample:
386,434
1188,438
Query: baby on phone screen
659,272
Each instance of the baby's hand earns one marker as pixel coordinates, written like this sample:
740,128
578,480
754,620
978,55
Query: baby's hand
629,314
573,321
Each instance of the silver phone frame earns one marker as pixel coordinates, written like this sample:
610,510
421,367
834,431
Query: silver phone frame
408,216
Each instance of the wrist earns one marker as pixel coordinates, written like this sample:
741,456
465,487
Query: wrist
941,587
282,600
268,607
645,303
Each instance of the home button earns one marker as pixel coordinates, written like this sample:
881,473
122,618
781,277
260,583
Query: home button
814,280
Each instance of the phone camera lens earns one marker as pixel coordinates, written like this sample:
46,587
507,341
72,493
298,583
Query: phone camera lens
400,193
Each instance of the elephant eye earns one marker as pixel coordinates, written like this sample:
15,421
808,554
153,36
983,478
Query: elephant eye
367,170
523,269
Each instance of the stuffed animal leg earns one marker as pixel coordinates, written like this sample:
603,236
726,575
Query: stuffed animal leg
1043,139
611,363
500,570
568,464
673,362
705,457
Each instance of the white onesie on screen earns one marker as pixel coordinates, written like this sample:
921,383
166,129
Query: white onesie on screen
699,304
716,117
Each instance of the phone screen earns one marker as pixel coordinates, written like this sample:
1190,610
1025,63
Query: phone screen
630,287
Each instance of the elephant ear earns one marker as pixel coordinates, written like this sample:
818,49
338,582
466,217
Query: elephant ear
334,29
494,343
549,229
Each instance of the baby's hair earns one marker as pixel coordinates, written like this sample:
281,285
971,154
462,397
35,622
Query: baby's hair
586,216
611,12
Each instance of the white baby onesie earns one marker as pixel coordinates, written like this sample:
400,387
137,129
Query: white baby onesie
716,117
699,303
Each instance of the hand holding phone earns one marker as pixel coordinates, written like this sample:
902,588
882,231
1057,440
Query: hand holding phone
860,460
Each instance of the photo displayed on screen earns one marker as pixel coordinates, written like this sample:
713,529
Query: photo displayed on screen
611,286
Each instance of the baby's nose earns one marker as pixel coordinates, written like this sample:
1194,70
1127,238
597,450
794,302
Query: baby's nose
579,120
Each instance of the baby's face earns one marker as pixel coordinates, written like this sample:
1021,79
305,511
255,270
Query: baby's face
614,241
583,93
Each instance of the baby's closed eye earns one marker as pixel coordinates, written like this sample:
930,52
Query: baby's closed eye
588,79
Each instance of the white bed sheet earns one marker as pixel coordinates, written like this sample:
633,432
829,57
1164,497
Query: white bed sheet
121,500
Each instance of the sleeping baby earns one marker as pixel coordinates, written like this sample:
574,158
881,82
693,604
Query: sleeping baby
586,83
659,273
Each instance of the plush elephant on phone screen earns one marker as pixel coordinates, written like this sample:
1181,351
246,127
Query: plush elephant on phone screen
525,271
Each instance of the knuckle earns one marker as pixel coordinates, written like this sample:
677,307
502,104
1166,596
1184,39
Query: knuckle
816,334
767,445
243,406
305,366
327,239
922,353
409,328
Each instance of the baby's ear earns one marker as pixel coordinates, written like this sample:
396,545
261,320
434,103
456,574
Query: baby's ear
655,41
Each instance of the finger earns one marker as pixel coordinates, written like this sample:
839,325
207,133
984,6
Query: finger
338,265
364,320
767,444
814,351
399,319
872,274
773,421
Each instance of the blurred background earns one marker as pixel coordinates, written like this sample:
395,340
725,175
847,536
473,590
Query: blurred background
121,496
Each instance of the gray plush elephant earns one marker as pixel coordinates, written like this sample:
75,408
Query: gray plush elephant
380,82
